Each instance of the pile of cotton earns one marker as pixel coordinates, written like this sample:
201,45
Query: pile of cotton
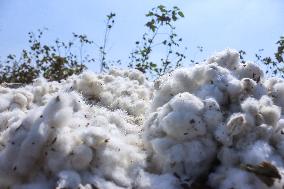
219,124
119,89
67,144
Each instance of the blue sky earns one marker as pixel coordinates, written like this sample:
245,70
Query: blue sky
213,24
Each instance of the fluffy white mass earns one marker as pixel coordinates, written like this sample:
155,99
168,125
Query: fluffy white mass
218,124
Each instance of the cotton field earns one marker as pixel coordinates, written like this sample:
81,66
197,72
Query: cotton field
218,124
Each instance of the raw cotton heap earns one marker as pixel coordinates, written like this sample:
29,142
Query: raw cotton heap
218,124
51,138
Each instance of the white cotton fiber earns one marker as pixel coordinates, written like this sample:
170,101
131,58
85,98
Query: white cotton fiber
256,153
68,179
228,58
152,181
81,157
197,127
250,70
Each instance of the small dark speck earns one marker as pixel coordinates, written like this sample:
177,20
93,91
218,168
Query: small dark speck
41,116
57,98
15,168
94,187
184,186
176,175
192,121
54,140
106,140
282,132
187,180
185,133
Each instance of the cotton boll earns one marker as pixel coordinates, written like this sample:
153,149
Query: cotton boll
147,180
280,148
34,142
28,95
4,103
264,131
188,159
228,58
63,140
58,102
62,101
182,81
99,182
228,156
136,75
33,186
199,155
81,157
10,119
256,153
183,125
62,117
34,115
39,181
234,178
212,114
89,84
106,97
160,145
211,91
251,106
259,91
250,70
68,179
270,82
139,108
277,93
234,87
278,132
221,134
108,78
248,87
21,100
271,113
186,102
178,81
